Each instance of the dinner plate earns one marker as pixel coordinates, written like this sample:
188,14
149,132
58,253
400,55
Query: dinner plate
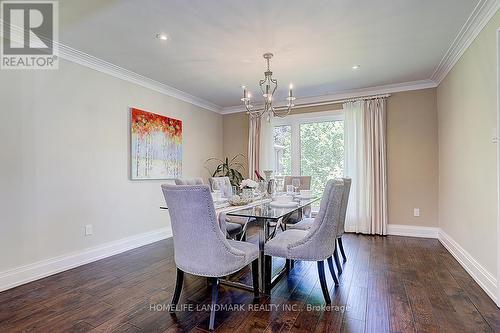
283,204
304,197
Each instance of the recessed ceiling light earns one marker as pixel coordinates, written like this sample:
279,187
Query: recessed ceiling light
161,36
355,67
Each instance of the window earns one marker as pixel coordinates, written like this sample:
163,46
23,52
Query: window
310,145
282,150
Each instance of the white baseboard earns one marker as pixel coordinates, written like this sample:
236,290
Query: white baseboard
412,231
485,279
24,274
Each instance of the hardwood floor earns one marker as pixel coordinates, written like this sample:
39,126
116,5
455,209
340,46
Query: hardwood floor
389,284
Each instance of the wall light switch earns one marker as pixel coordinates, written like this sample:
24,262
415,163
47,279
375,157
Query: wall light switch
416,212
88,230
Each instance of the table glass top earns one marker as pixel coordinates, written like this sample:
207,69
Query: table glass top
266,210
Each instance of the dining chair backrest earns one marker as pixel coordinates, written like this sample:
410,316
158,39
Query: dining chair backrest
200,247
189,181
305,182
319,243
343,208
221,183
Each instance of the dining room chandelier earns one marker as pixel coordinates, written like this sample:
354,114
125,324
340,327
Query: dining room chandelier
268,87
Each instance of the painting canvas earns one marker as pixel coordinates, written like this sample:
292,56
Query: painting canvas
156,146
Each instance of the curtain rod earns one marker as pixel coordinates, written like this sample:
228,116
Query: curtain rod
340,101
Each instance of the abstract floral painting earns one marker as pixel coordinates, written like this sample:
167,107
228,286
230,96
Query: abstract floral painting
156,146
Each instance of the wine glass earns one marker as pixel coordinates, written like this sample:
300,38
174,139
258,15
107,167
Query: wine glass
262,188
296,184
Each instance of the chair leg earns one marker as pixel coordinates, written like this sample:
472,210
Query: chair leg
255,277
289,263
178,288
243,236
341,246
215,290
337,261
332,271
322,281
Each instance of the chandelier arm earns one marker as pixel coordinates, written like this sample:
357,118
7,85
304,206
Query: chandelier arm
282,113
275,81
254,113
261,82
248,109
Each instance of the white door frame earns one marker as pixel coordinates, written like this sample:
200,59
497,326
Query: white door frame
498,166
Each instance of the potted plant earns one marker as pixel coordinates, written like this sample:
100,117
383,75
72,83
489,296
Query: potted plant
231,168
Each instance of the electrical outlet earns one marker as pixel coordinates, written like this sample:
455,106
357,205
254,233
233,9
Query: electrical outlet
416,212
88,230
494,136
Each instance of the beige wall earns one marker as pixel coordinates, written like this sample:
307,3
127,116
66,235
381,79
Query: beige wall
65,160
412,157
235,137
467,113
411,154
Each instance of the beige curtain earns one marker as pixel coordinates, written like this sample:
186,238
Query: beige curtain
365,163
260,146
375,117
253,147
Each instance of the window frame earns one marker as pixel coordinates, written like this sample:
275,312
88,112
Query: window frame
295,120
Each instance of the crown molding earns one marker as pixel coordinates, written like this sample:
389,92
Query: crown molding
481,15
103,66
346,94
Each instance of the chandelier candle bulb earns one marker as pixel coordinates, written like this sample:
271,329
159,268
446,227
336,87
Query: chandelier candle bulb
245,94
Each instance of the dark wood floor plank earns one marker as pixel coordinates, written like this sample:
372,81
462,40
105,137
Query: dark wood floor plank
477,296
377,309
400,313
310,314
351,325
395,284
423,313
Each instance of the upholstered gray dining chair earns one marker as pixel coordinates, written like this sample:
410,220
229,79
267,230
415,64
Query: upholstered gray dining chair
200,247
224,185
220,183
189,181
317,243
306,223
234,230
305,182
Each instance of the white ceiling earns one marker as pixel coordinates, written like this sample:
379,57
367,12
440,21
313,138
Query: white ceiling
215,46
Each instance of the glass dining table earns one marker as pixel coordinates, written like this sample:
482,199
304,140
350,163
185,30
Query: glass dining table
265,213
